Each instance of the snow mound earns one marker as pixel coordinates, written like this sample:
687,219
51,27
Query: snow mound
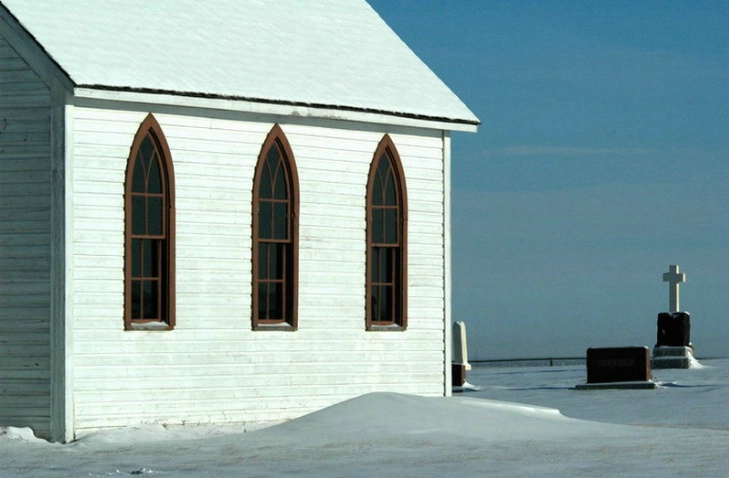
514,427
19,434
396,416
149,433
693,363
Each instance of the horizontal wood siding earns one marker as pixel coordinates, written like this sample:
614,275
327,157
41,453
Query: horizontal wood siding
25,106
213,367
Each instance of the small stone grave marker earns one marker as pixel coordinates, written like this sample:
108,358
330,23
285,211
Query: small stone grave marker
618,367
460,355
460,344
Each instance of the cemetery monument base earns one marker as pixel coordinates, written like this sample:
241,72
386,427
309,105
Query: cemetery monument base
672,357
673,341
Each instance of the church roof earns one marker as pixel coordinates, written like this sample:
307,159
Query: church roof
325,53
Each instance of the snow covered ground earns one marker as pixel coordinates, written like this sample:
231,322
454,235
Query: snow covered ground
512,427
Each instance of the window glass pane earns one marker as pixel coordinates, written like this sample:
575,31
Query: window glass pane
392,265
375,264
280,220
288,290
136,255
139,177
272,172
262,312
278,260
275,301
273,157
163,304
265,189
146,149
160,259
265,220
383,165
378,234
391,226
149,258
270,301
139,207
154,216
383,168
280,186
136,299
263,261
154,181
384,265
390,197
374,301
377,190
280,191
381,303
387,308
150,300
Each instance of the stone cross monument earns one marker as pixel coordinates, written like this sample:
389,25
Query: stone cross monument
674,278
673,341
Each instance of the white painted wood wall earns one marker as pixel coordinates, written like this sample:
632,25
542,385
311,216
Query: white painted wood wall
213,367
25,237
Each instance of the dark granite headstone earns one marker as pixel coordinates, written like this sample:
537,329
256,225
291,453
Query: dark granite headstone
458,373
674,329
619,364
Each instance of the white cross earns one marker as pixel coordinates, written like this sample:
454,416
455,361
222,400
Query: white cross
674,278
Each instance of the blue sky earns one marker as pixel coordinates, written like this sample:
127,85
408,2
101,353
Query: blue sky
603,157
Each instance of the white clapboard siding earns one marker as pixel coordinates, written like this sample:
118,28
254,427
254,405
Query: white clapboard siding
213,367
24,245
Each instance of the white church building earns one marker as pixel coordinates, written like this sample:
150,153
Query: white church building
216,212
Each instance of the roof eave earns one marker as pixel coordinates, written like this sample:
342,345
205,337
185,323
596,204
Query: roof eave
271,106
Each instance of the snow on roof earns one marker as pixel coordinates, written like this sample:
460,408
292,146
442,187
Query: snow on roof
327,53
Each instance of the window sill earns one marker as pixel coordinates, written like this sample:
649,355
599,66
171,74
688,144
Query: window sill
385,328
150,326
282,327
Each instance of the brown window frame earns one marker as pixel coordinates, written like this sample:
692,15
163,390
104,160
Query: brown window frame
164,242
398,283
287,247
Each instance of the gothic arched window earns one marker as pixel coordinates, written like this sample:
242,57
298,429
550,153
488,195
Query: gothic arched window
386,306
149,236
275,235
